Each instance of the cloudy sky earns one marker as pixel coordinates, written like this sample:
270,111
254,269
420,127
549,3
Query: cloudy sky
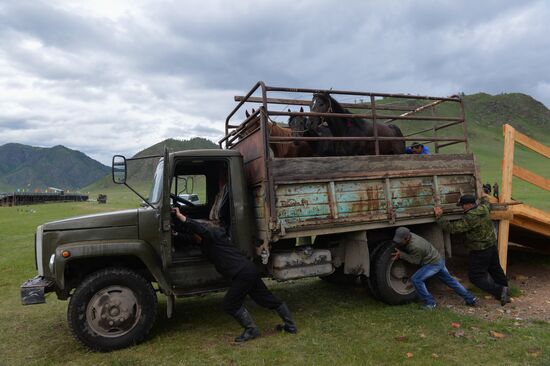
108,76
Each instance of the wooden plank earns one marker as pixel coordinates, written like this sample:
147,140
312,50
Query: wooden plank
506,192
532,214
532,226
334,168
531,177
532,144
502,215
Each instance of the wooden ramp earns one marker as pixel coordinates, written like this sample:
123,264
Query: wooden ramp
521,223
530,227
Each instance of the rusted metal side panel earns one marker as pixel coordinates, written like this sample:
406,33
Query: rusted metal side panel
251,148
417,195
360,198
303,203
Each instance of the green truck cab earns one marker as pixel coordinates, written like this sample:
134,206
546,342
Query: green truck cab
328,217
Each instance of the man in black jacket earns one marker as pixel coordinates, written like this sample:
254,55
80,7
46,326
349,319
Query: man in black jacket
245,279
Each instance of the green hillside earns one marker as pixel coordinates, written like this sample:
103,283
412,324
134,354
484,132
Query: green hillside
29,167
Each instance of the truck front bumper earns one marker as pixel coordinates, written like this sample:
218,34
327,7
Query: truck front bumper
33,291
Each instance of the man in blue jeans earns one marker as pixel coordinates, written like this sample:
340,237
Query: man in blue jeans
418,250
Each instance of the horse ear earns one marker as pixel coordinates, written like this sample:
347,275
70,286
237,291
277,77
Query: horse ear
302,109
289,110
246,113
253,111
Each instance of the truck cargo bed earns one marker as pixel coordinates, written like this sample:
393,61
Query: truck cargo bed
321,194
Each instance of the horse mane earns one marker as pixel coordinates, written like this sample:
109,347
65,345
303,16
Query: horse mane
276,130
335,105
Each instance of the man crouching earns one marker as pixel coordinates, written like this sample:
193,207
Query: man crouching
417,250
245,279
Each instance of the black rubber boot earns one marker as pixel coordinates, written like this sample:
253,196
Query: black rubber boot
289,326
251,331
504,296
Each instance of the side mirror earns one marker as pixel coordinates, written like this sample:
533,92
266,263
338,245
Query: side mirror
119,169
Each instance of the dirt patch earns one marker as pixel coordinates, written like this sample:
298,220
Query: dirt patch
529,277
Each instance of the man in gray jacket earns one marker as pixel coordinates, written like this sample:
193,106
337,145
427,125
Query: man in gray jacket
418,250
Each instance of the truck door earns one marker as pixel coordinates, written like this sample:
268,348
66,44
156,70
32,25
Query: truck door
165,214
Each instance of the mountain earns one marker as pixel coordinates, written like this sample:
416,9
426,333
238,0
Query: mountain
29,167
140,172
143,170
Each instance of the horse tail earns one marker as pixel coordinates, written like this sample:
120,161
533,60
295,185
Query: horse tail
398,146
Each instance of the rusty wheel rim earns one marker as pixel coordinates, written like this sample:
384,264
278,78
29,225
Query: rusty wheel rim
398,278
113,311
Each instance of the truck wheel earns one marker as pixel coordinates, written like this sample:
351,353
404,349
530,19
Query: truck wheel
370,281
392,278
111,309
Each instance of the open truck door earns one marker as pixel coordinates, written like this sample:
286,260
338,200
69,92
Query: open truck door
166,214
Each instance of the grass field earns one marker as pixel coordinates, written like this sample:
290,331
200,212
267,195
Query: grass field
337,325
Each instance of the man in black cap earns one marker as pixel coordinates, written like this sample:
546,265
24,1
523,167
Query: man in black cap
484,266
418,250
245,279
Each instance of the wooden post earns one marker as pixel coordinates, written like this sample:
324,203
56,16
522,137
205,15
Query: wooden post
506,192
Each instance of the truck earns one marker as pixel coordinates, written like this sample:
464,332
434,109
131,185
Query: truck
331,217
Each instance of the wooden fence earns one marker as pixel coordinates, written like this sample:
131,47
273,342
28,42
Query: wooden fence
534,219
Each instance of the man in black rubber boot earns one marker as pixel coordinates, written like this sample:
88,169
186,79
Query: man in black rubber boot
251,331
245,279
289,326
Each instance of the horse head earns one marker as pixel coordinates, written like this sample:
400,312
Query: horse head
321,103
299,125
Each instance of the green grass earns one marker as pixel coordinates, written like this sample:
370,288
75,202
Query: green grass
337,325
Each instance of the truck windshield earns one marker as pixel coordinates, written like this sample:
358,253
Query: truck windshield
156,189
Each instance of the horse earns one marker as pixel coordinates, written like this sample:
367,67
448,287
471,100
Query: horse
284,149
343,126
302,126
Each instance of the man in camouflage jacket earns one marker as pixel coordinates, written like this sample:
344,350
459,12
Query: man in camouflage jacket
484,270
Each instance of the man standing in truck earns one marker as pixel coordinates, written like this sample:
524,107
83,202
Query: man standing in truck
484,269
418,250
245,279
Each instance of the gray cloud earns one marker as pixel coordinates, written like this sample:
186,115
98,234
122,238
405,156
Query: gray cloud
107,78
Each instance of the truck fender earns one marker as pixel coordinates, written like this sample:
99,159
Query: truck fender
94,249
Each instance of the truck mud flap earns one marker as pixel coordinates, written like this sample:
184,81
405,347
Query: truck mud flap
33,291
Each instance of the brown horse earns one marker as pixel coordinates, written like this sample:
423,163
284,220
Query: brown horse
343,126
284,149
